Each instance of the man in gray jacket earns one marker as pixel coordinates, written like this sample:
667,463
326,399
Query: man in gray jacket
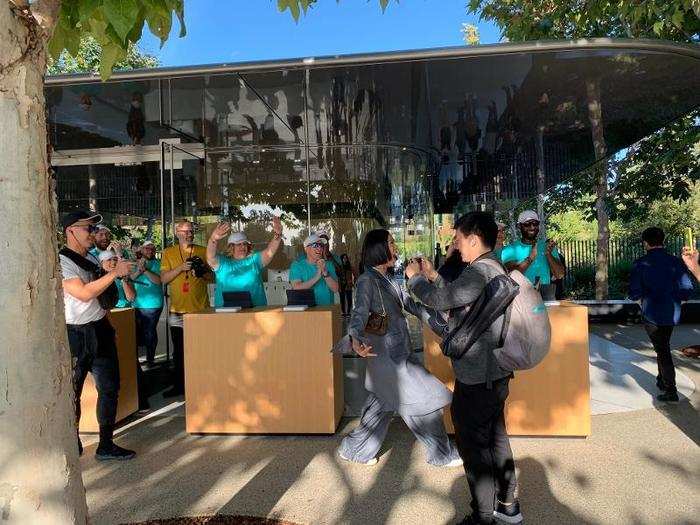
477,410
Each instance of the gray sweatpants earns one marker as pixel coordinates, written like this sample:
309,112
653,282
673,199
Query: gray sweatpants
363,443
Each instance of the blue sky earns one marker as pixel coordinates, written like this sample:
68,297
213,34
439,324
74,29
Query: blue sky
224,31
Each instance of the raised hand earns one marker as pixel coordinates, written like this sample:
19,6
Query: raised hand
222,230
277,225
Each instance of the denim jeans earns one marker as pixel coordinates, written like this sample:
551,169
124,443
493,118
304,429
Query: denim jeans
147,330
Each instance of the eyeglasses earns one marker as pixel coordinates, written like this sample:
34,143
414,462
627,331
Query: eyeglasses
316,245
186,232
90,228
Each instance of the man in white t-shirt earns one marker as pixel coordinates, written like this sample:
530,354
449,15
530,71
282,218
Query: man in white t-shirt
90,335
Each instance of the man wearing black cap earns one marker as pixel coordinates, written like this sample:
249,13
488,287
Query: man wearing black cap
86,294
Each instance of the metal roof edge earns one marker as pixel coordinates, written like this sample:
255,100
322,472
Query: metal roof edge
690,50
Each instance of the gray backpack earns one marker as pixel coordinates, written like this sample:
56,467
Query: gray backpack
526,331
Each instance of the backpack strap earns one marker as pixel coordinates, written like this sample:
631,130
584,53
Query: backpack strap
83,262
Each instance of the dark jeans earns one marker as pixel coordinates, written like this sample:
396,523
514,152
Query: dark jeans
346,301
177,334
147,330
482,441
661,339
93,349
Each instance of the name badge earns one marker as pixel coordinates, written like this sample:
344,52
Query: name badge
185,287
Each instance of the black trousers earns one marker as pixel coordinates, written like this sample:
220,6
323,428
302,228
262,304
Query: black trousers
482,441
660,337
94,350
177,335
346,301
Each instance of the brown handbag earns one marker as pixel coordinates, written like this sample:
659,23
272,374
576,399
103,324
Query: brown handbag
377,323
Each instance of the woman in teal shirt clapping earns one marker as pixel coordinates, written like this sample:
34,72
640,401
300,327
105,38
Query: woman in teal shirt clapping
240,270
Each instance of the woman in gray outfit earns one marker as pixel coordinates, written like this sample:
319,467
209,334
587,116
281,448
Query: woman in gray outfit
395,378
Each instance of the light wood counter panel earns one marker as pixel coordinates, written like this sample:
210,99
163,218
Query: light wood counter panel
552,399
124,323
263,371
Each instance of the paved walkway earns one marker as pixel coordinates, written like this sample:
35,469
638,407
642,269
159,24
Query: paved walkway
640,466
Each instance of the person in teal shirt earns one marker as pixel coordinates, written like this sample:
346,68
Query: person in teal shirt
108,259
537,259
240,269
149,299
314,272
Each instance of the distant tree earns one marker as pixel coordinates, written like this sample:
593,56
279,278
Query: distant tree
87,59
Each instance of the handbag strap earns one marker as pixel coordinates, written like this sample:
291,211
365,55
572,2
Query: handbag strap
380,296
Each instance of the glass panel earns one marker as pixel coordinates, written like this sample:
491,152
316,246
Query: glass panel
264,109
101,115
183,109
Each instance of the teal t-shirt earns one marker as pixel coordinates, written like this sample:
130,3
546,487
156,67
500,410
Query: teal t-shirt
148,293
240,275
122,302
517,252
303,270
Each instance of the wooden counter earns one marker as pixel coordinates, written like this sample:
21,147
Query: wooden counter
552,399
124,324
263,371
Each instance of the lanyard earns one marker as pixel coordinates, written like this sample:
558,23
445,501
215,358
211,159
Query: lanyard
182,259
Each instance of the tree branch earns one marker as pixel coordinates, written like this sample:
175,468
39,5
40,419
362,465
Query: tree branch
46,12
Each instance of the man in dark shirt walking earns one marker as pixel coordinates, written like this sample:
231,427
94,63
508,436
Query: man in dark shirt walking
660,282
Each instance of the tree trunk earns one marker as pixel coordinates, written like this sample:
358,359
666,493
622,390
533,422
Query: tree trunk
40,478
595,116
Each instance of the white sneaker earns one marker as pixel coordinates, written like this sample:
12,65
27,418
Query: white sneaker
370,462
454,463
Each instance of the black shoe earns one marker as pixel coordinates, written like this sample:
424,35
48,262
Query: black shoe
668,397
174,392
660,384
508,513
80,447
473,519
113,452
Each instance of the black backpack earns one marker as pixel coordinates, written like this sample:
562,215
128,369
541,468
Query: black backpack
110,296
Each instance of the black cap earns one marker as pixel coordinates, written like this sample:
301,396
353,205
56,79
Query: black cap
69,219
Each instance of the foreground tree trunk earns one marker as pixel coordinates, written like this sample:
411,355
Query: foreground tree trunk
40,478
595,116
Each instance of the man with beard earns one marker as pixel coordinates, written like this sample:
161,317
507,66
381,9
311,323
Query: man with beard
103,242
535,258
184,270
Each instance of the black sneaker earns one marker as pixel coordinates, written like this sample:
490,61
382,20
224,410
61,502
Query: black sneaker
80,447
668,397
508,513
660,384
113,452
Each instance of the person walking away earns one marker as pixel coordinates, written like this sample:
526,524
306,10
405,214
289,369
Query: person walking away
659,282
346,283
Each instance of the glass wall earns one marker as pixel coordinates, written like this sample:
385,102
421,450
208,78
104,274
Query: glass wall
351,148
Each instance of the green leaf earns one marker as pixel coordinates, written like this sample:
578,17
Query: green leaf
384,3
111,54
677,18
179,7
121,15
658,26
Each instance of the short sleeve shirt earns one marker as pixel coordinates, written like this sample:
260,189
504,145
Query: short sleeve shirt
517,252
303,270
240,275
188,293
77,311
148,293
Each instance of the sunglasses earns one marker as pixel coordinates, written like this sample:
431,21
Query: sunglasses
316,245
90,228
531,223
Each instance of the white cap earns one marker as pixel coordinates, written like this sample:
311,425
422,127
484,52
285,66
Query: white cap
500,224
103,227
106,255
528,215
147,243
237,238
313,239
322,233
